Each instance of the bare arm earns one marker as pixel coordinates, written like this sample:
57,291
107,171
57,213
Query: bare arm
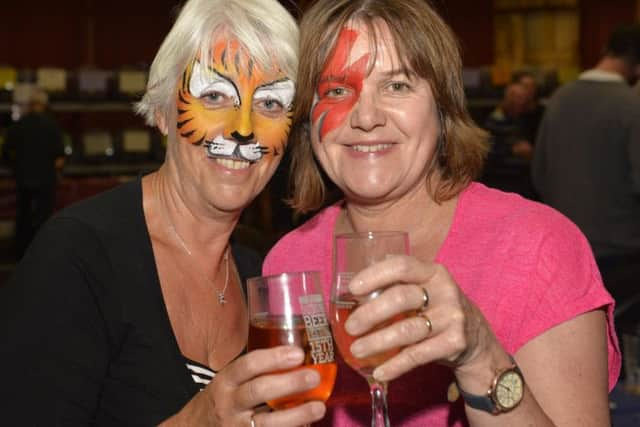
567,378
565,368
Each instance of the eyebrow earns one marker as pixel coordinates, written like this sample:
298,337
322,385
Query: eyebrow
273,83
333,78
399,71
227,78
386,74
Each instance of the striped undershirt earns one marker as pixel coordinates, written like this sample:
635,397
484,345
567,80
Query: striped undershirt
200,374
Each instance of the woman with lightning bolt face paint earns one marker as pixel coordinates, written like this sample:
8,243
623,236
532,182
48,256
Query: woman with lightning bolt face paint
498,316
139,291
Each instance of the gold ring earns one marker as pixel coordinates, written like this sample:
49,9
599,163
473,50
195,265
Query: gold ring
253,422
425,298
427,321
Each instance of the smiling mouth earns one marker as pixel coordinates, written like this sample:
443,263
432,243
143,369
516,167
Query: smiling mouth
370,148
234,164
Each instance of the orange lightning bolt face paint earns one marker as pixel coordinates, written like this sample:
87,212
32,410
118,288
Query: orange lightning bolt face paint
233,107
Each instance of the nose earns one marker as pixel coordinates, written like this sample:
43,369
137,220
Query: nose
242,125
367,114
242,139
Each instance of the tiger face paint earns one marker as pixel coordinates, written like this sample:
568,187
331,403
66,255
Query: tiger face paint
234,108
330,111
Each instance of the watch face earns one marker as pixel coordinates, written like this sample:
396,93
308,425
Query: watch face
509,390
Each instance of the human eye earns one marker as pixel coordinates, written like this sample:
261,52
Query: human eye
269,106
274,99
399,87
212,97
335,92
216,99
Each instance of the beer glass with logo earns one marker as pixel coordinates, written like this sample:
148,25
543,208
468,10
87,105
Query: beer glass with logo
288,309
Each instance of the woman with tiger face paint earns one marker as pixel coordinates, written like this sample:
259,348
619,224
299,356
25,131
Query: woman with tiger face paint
129,308
494,282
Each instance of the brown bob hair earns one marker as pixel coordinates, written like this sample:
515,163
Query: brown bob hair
428,48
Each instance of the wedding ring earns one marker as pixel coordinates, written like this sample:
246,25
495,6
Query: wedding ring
425,298
427,321
253,422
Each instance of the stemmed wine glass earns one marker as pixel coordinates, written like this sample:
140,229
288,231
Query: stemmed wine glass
353,252
288,309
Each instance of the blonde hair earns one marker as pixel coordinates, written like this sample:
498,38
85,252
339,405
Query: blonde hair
427,47
263,27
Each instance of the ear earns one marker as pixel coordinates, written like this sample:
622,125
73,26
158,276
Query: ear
161,123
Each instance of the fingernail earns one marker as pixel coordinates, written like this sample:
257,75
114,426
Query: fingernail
318,409
312,378
351,326
294,355
357,349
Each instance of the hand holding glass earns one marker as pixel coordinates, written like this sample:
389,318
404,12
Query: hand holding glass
352,253
288,309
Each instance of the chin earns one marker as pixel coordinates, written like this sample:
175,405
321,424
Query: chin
367,196
231,201
371,189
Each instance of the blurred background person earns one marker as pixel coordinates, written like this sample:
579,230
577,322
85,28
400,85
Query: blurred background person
587,163
34,150
508,161
533,110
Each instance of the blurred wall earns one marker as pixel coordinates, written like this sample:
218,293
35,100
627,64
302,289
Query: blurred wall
598,18
73,33
112,33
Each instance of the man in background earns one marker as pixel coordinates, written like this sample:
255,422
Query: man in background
508,162
533,110
35,151
587,163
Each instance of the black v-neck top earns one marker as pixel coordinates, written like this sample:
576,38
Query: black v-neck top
85,337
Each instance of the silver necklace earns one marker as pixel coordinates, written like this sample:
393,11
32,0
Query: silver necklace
222,300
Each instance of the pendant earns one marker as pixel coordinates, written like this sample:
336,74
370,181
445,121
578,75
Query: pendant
221,299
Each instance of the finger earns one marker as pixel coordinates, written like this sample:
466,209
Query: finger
270,387
395,269
399,334
294,417
434,349
262,361
392,302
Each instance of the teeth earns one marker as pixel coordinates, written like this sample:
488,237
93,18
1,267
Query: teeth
370,148
233,164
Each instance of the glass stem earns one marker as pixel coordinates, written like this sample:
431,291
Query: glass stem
379,413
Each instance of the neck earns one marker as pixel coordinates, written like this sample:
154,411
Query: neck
203,230
415,213
615,65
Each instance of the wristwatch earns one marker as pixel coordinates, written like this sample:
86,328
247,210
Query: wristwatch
504,394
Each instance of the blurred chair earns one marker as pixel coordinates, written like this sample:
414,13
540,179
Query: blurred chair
53,81
94,84
472,81
135,145
130,84
97,146
8,80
